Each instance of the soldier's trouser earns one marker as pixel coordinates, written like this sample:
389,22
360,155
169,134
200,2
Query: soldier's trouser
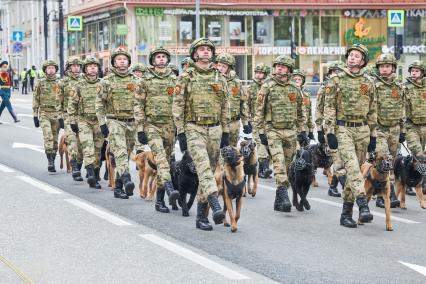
75,149
416,137
161,140
203,146
234,132
121,140
387,140
338,166
282,144
91,139
353,142
50,126
262,152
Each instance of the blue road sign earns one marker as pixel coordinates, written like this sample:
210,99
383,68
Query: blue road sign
17,36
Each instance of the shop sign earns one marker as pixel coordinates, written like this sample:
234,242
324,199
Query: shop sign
145,11
122,29
233,50
206,12
365,13
408,49
300,50
415,13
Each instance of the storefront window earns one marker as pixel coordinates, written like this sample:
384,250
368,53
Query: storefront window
309,30
103,36
165,34
186,30
237,31
262,30
412,31
282,30
214,29
91,37
330,31
116,39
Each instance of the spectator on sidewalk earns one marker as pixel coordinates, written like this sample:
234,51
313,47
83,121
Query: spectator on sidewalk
24,81
32,74
5,90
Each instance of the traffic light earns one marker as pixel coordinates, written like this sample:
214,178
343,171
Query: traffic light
398,47
293,50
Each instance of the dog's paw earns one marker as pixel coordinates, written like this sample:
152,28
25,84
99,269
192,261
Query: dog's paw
306,205
174,207
389,228
233,229
300,208
185,213
403,206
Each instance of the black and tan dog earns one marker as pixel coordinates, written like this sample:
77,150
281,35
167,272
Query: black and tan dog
231,184
376,172
409,171
300,175
321,159
63,151
185,180
247,148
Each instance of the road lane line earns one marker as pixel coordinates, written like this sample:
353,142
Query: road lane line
6,169
196,258
40,185
15,269
25,115
415,267
98,212
24,127
271,188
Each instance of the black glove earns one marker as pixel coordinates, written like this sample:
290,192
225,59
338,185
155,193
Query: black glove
182,142
36,122
401,137
332,141
372,145
321,137
74,128
263,139
311,136
142,138
225,140
246,129
302,138
61,123
104,130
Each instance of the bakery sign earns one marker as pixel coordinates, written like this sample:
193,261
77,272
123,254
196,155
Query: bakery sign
300,50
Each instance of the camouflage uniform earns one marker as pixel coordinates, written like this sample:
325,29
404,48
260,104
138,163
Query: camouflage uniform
116,104
82,112
201,115
307,104
350,113
280,116
45,96
139,67
153,114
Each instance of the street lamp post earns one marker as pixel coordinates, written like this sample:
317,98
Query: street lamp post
61,38
197,18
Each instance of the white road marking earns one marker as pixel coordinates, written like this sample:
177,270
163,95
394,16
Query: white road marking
98,212
6,169
415,267
267,187
28,146
24,127
196,258
4,122
25,115
40,185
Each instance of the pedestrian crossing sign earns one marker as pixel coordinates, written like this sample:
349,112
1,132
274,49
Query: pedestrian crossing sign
395,18
75,23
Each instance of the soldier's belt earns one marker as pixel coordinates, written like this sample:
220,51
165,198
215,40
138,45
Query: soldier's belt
124,119
199,123
234,118
159,119
281,125
350,124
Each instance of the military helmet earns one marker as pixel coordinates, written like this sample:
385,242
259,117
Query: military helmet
298,72
361,48
139,67
386,58
120,51
186,60
284,60
261,67
200,42
91,60
156,51
417,64
227,59
268,70
50,62
73,60
174,68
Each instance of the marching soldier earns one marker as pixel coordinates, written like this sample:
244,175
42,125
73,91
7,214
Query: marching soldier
339,172
154,120
415,106
225,63
201,115
299,78
390,114
115,112
73,69
260,73
350,121
138,71
45,112
83,120
280,119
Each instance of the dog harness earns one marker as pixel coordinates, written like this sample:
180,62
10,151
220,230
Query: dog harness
378,186
234,190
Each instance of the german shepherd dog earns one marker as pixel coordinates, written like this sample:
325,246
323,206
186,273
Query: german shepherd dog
409,171
251,167
147,169
321,159
110,166
231,184
185,180
63,150
376,172
301,175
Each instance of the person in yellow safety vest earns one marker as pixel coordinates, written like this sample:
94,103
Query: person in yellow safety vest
33,74
24,82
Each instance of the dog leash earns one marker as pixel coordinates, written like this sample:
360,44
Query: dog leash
409,152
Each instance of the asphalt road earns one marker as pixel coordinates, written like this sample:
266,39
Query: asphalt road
53,239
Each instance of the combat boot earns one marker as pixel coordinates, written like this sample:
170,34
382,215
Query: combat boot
364,212
332,190
91,179
172,193
217,213
118,190
266,170
346,216
282,202
380,202
97,178
394,202
160,205
51,162
76,174
201,221
129,186
409,191
342,180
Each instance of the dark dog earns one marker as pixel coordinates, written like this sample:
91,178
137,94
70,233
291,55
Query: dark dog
321,159
300,175
376,173
251,167
185,180
409,171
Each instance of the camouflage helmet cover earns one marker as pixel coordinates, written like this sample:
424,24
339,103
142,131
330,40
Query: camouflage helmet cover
227,59
73,60
284,60
91,60
201,42
50,62
386,58
120,51
156,51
